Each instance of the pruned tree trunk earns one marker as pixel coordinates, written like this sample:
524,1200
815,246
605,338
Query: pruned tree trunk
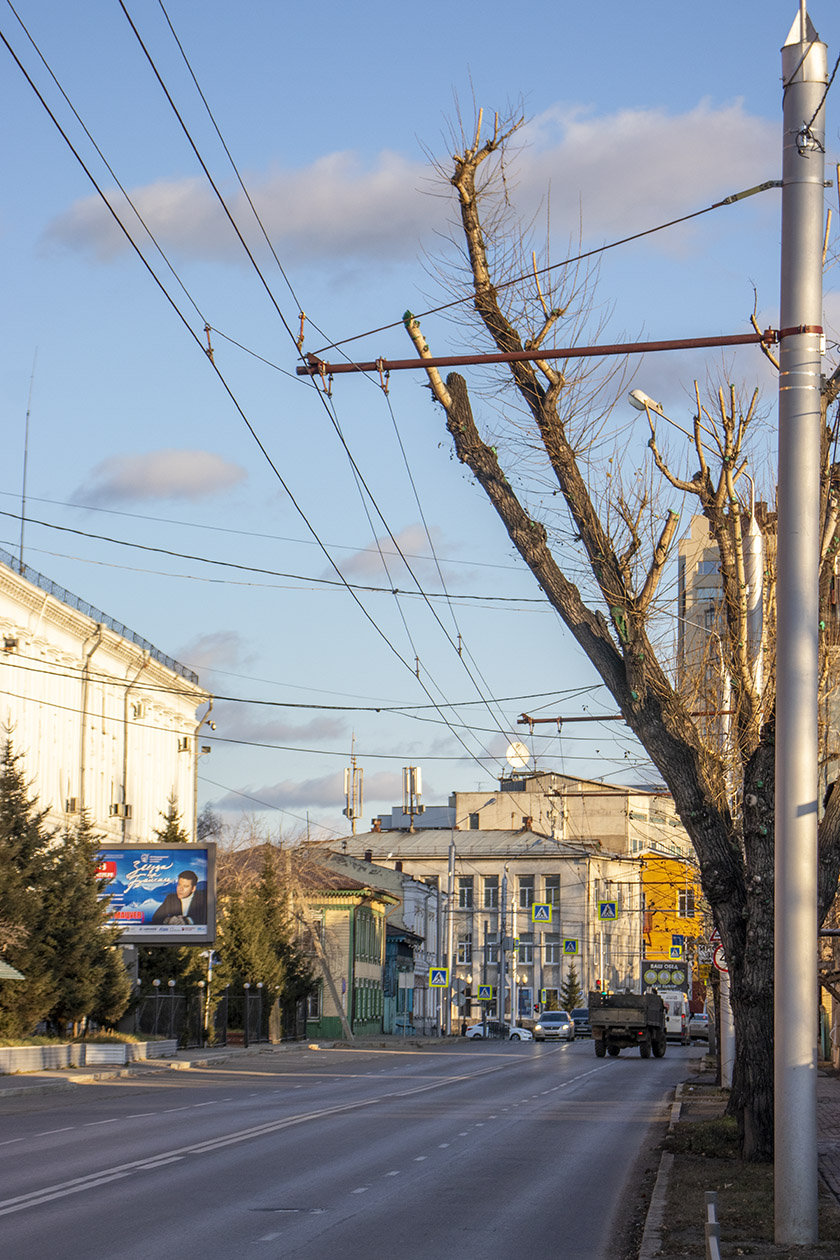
724,794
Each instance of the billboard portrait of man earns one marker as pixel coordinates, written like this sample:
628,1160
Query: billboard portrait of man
188,903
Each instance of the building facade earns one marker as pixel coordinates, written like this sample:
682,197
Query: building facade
103,720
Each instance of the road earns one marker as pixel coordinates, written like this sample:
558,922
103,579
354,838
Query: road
473,1149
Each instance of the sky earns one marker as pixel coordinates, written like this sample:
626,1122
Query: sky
221,513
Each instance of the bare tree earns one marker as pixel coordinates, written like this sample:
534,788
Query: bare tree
601,566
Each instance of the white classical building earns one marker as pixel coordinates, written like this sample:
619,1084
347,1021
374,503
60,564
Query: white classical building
103,720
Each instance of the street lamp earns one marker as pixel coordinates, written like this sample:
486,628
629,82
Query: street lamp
643,402
156,987
247,987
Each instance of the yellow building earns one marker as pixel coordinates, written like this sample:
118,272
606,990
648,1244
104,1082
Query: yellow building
673,909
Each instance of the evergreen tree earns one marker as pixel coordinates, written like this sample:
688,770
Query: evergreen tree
172,831
73,943
24,846
571,994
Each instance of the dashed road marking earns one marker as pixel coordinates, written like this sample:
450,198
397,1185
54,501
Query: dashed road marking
47,1132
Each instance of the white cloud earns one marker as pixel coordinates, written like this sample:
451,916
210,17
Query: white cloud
326,792
412,543
237,721
223,649
620,172
159,475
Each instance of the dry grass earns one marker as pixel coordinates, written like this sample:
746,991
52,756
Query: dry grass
704,1145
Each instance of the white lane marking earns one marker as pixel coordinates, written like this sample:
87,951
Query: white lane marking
479,1124
47,1132
442,1145
418,1158
268,1237
135,1115
159,1163
361,1190
393,1174
166,1110
204,1104
464,1133
78,1184
90,1124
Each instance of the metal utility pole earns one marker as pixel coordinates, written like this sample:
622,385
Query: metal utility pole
450,932
804,75
354,780
502,955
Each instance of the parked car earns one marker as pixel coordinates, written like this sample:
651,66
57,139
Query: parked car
580,1019
496,1030
554,1025
698,1027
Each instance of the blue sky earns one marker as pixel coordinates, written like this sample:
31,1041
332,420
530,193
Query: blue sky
637,115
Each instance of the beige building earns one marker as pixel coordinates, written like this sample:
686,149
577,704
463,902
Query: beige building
104,721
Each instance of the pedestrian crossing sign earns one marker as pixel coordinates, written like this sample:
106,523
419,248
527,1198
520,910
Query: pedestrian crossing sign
438,977
485,993
675,953
607,910
541,912
571,946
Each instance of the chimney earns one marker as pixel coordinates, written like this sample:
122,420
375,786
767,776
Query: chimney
376,825
398,866
368,855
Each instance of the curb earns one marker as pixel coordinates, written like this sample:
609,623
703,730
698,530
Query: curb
651,1244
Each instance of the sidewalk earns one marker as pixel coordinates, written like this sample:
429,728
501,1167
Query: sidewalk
21,1083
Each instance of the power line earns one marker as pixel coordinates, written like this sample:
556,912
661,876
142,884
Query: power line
344,584
590,253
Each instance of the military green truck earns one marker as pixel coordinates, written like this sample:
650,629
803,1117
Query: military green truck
622,1020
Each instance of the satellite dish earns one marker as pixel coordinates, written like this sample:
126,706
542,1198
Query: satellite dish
517,756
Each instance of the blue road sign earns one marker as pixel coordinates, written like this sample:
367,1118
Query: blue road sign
570,945
485,993
541,912
438,977
675,953
607,910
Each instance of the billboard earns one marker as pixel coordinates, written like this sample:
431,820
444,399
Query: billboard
161,894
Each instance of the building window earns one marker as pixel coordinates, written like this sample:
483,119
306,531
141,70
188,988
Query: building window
551,942
685,903
464,949
313,1004
552,890
492,949
474,823
526,948
526,891
491,892
465,892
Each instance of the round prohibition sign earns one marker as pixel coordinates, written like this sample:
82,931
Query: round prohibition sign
719,959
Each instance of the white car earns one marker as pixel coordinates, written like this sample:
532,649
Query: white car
493,1030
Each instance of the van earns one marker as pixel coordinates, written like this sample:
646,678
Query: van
677,1015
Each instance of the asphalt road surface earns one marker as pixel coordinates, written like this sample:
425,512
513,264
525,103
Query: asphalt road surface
480,1149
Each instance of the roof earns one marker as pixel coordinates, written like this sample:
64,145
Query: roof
95,614
433,842
7,972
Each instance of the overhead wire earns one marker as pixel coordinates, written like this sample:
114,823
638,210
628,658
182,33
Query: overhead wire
220,376
360,479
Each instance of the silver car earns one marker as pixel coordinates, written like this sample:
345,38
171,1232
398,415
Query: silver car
554,1026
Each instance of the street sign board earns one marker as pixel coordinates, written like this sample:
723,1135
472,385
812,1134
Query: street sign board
571,946
607,910
715,936
438,977
675,953
719,959
704,953
665,975
485,993
541,912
